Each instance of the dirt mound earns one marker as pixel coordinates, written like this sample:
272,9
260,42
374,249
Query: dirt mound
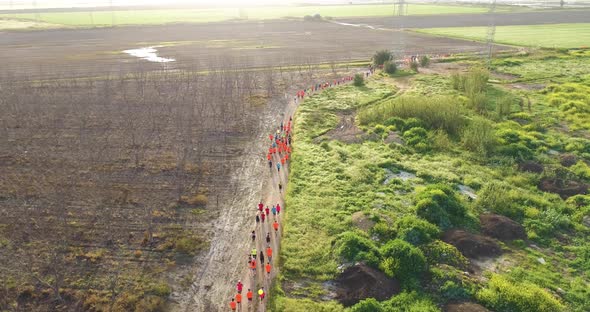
530,166
564,189
501,227
472,245
346,131
568,160
360,281
464,307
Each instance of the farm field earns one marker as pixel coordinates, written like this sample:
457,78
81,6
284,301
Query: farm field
548,36
408,174
99,52
167,16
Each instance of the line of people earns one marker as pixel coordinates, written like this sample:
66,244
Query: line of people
277,156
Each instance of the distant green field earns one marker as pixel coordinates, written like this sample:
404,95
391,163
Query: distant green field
155,17
551,36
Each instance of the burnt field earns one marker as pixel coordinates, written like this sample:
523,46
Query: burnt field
111,189
98,52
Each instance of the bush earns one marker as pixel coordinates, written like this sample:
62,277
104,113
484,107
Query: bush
424,61
367,305
439,252
414,66
383,231
504,106
403,261
476,81
439,204
503,295
359,80
417,138
150,304
458,81
187,244
390,67
356,246
381,57
415,231
516,151
437,112
410,302
479,137
497,197
477,101
199,200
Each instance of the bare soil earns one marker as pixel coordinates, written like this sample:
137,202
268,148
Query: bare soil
346,131
501,227
472,245
466,20
564,188
464,307
360,281
531,166
98,52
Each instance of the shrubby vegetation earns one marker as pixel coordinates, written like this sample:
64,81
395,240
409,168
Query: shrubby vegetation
503,295
382,57
456,131
440,205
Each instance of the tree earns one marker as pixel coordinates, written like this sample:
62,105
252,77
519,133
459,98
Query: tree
390,67
382,56
359,80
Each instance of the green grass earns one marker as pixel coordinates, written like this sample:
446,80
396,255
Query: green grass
330,180
166,16
551,36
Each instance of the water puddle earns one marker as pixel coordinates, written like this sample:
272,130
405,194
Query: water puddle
402,175
467,191
359,25
149,54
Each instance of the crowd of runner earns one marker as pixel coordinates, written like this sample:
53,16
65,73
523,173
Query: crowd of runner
278,154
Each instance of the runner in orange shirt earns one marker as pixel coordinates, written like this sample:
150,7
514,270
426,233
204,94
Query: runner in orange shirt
249,295
239,299
269,253
275,226
267,267
233,304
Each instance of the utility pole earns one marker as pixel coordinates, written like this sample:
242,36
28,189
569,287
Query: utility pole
491,31
400,9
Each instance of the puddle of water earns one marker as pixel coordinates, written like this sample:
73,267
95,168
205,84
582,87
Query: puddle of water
149,54
402,175
359,25
466,190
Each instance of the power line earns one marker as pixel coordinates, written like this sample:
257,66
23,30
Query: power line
491,31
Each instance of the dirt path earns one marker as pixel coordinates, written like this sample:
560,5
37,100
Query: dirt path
226,263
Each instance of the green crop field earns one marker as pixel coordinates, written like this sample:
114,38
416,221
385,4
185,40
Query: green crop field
551,36
155,17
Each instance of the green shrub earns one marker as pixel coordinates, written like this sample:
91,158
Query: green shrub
479,137
381,57
440,140
439,252
359,80
415,231
437,112
581,169
383,231
356,246
395,121
431,211
187,244
477,101
417,138
367,305
150,304
414,66
503,295
516,151
458,81
390,67
440,205
497,197
476,81
410,302
504,106
403,261
424,61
